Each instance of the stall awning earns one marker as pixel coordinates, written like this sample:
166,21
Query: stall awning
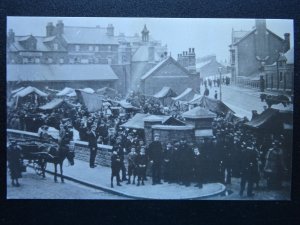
28,90
136,122
55,103
186,95
165,92
267,119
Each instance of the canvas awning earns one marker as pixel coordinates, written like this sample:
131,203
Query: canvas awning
28,90
213,105
65,91
136,122
52,105
93,102
198,113
267,119
165,92
187,95
17,90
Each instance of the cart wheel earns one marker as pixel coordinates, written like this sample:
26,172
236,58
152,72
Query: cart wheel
38,168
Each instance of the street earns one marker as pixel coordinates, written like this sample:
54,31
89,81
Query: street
35,187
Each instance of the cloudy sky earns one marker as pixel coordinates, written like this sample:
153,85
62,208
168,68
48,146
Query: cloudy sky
207,36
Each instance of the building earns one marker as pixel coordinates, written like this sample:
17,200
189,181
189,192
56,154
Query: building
170,73
60,76
280,75
128,56
208,66
251,50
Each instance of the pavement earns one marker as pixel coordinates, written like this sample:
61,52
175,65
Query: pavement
99,178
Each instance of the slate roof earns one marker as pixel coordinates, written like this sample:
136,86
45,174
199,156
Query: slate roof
88,35
64,72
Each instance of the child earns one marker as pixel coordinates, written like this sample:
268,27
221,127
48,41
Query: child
132,165
115,168
141,166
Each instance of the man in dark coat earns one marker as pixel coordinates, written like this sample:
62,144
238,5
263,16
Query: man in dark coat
167,162
92,139
185,158
198,169
119,148
249,170
115,168
155,155
14,162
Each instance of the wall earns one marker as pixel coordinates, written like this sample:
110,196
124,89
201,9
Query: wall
82,152
171,75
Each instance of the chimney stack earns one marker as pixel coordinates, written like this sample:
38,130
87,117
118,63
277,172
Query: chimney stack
110,30
59,27
50,29
10,37
286,42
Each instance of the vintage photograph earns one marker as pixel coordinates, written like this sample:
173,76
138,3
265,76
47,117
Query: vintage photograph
149,108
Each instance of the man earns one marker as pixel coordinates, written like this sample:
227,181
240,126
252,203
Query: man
198,170
118,147
275,166
185,157
167,163
216,94
92,140
248,172
155,155
115,168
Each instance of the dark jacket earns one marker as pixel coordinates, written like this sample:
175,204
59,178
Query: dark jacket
92,139
155,151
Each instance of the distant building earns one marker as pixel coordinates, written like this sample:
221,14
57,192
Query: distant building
251,50
280,75
128,56
208,66
171,73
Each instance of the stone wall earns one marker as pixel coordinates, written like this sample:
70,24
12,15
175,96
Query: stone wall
82,151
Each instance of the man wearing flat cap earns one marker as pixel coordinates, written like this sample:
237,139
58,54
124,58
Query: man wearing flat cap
92,140
156,155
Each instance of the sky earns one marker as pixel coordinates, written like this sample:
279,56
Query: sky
207,36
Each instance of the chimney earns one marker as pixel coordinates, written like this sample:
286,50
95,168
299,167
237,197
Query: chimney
193,50
151,54
10,36
260,25
49,29
110,30
190,50
59,27
286,42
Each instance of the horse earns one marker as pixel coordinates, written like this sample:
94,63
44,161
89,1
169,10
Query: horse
56,155
275,99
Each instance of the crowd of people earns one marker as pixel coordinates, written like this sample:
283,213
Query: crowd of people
232,151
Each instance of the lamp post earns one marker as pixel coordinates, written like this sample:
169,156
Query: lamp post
220,72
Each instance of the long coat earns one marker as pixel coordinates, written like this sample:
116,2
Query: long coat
14,161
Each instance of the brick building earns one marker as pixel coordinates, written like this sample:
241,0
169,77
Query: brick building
208,66
128,56
250,50
171,73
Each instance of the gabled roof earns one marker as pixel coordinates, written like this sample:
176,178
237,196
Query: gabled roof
198,113
40,44
186,95
55,72
55,103
65,91
28,90
264,120
88,35
251,32
136,122
160,64
165,92
289,55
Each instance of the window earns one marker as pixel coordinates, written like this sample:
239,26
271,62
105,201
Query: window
31,60
55,46
84,61
49,60
109,48
97,48
280,76
109,60
37,60
72,60
25,60
77,48
91,48
61,60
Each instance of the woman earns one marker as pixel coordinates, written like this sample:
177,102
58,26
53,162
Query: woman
14,162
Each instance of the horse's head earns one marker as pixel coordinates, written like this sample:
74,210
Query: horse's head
71,156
